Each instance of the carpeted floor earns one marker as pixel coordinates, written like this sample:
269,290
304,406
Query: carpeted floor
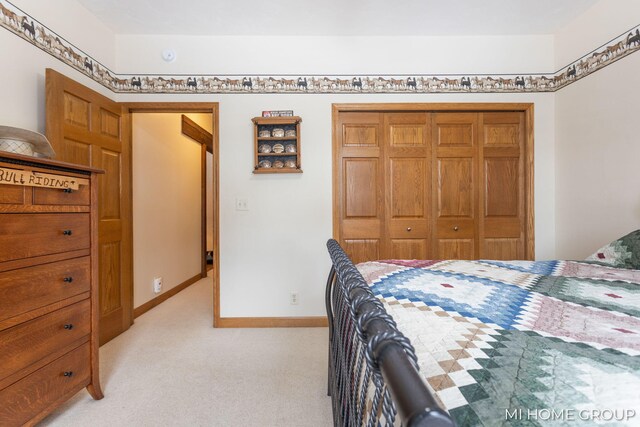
173,369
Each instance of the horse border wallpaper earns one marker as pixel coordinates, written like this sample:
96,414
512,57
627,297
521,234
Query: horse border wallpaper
23,25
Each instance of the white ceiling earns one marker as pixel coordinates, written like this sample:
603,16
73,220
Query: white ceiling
336,17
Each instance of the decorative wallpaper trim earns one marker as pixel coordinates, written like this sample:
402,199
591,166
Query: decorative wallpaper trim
31,30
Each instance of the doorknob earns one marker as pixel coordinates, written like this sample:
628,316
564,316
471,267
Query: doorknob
408,228
455,228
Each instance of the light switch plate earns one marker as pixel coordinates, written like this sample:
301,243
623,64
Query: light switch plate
242,204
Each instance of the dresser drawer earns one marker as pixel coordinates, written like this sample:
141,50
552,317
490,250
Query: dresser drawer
26,289
30,235
31,341
17,195
28,397
12,194
57,196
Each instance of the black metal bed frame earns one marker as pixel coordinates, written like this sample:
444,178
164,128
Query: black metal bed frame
373,369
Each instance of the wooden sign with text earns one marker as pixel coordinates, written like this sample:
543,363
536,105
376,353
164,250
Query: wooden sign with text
38,179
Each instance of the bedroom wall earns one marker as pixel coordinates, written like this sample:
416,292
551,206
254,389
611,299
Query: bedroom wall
23,65
597,139
278,245
166,204
335,55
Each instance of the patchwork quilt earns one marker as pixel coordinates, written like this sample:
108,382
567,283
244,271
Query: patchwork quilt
520,342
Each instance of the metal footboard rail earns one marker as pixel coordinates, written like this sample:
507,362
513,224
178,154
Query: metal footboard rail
373,369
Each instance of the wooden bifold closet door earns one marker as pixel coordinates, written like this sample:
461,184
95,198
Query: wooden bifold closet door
431,185
407,185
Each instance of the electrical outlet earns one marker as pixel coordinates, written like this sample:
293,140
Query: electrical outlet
242,204
294,298
157,285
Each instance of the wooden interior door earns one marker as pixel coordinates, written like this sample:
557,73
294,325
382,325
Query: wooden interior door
87,128
502,197
455,170
407,185
359,185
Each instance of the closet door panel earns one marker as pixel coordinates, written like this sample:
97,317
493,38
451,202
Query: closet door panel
456,228
407,131
360,185
359,134
455,249
455,186
502,249
361,250
502,129
409,248
455,190
502,227
502,195
455,130
407,185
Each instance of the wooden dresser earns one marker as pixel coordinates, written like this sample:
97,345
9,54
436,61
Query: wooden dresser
48,286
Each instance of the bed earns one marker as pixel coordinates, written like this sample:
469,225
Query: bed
485,343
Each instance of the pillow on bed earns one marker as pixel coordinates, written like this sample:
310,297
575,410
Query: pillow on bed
621,253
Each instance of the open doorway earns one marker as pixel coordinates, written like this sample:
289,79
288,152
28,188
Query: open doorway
176,193
199,128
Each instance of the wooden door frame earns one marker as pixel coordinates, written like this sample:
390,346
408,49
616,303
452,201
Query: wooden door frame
526,108
212,108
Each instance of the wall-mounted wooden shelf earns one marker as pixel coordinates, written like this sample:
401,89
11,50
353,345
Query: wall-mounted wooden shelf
267,162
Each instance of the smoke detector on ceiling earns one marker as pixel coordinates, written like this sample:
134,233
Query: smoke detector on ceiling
169,55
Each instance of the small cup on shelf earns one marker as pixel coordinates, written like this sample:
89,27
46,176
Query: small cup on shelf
278,164
290,133
278,148
264,133
264,164
290,148
277,133
290,164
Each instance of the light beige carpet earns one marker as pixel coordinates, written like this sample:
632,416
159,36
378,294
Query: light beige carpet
173,369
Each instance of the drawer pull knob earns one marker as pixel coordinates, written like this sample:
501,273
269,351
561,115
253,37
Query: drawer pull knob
68,190
68,326
408,228
455,228
67,232
68,373
68,279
